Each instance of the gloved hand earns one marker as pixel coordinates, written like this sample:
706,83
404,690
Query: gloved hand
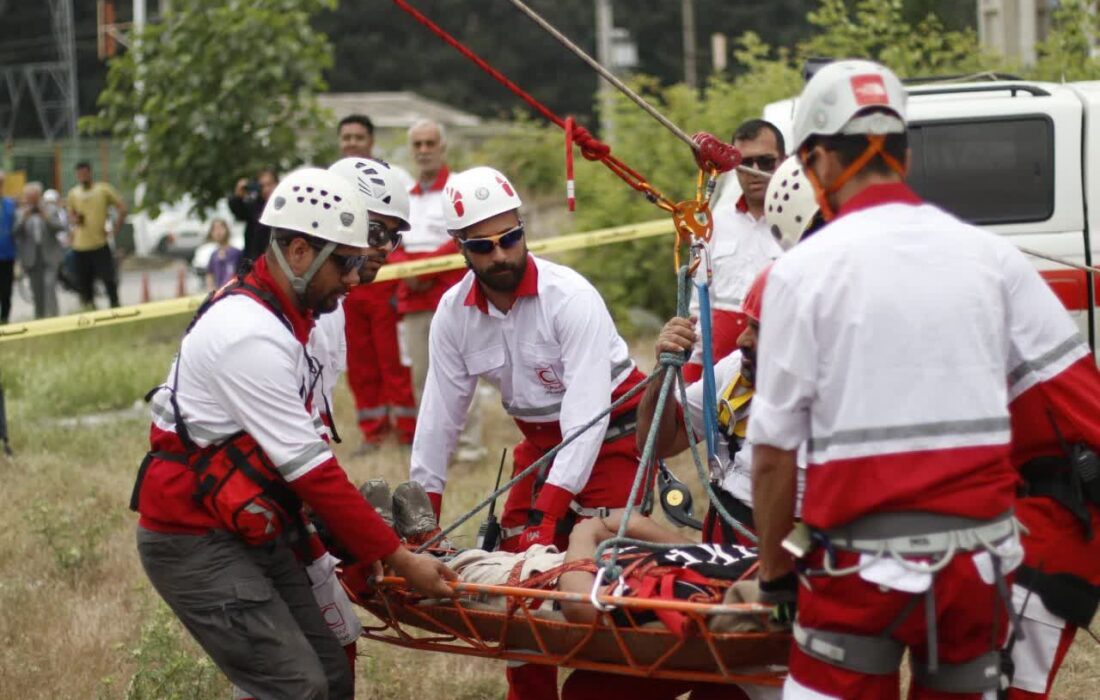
541,529
712,152
783,594
361,578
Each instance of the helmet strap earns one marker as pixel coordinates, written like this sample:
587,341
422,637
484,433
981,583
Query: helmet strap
300,283
875,147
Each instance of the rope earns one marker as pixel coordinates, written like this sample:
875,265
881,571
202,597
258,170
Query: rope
606,74
591,148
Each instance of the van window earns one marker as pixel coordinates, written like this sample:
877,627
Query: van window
995,171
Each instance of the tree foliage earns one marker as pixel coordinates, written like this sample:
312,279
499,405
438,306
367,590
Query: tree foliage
640,274
221,88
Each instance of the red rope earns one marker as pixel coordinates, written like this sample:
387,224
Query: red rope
591,147
570,187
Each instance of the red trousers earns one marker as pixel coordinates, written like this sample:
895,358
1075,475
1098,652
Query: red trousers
1055,543
379,382
968,613
593,685
609,485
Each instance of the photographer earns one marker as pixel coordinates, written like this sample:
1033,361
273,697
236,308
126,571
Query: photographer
40,252
247,203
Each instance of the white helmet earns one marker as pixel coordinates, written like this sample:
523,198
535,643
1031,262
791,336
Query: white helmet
321,204
475,195
380,184
832,101
789,204
51,196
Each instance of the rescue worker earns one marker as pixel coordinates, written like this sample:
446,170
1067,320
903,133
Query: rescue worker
1061,568
541,334
883,346
380,384
791,214
742,244
235,452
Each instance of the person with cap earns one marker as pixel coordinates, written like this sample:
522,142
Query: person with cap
236,453
542,335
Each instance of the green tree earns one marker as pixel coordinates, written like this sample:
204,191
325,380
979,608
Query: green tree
1066,53
215,91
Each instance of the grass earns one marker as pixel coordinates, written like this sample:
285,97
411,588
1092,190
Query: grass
78,618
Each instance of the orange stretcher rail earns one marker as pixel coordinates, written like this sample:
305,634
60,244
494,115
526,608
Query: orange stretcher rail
520,631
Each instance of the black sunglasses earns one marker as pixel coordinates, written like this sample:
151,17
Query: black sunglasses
346,263
764,163
379,235
484,246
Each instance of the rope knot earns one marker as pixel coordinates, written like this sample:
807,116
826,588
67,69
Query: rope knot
673,359
591,147
712,153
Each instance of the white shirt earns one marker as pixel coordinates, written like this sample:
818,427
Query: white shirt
328,345
554,357
736,473
892,340
740,248
427,227
242,369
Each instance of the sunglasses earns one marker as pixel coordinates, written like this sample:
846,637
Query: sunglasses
346,263
764,163
484,246
378,235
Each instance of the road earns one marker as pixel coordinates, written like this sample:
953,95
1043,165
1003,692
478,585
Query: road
163,284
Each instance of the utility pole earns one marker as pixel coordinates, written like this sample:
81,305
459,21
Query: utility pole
687,12
604,23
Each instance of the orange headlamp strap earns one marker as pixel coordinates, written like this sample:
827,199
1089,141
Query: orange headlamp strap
876,145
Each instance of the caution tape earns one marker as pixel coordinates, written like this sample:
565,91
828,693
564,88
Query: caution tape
182,305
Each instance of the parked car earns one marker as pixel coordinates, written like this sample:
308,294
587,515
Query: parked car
178,232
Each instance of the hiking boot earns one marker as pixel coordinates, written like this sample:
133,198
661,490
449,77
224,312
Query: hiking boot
414,515
377,493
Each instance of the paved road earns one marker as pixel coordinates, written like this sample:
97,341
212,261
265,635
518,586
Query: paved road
163,284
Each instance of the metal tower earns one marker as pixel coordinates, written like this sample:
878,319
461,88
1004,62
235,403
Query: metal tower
50,86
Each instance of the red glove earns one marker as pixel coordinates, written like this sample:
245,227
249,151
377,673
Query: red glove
361,578
541,529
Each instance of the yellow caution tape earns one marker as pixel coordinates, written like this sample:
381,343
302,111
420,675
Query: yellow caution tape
172,307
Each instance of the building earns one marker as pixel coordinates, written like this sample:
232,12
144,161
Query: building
1014,27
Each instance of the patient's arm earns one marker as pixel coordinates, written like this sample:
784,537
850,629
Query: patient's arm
587,536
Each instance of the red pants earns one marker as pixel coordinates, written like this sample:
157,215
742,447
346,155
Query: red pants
380,383
1054,543
609,485
726,328
968,611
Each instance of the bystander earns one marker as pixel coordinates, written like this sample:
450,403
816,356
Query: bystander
40,253
93,260
7,251
247,203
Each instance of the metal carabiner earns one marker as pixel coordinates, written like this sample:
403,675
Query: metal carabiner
593,597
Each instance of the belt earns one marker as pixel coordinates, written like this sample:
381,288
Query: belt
918,533
579,510
622,425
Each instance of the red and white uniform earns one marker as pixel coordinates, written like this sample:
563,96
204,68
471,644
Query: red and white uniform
884,346
379,382
740,248
329,347
242,370
557,361
1053,381
427,237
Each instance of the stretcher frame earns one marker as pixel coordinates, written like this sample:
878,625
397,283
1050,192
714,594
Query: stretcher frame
521,632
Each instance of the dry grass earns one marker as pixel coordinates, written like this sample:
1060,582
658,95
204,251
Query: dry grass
73,598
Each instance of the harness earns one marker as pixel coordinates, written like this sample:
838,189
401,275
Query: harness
733,412
235,480
912,534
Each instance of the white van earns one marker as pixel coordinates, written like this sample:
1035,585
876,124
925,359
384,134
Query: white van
1019,158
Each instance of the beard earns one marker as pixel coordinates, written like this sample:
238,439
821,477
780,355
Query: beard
501,277
322,303
748,365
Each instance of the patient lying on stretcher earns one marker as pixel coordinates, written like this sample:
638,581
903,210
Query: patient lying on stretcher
695,572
